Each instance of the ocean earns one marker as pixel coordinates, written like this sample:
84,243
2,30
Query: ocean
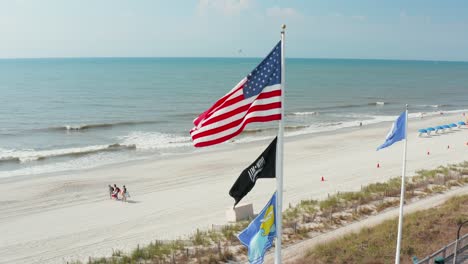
58,115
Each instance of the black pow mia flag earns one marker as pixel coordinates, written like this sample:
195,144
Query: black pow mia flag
263,167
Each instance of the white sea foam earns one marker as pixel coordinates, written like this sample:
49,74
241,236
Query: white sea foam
432,106
154,140
101,154
83,162
166,143
436,113
27,155
333,126
305,113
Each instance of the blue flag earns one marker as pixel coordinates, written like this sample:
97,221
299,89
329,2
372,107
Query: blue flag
258,236
397,132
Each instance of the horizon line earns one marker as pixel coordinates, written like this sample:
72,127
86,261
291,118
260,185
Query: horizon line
222,57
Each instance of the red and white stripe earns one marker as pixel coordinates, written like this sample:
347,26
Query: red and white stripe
230,114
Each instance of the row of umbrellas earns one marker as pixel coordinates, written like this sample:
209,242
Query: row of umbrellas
441,128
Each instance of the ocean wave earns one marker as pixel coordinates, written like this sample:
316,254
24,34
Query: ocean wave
154,140
318,110
79,163
22,156
302,113
364,120
436,113
333,126
9,159
454,111
342,106
349,106
187,115
133,141
101,125
433,106
250,131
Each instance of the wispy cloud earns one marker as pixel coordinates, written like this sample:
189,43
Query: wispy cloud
225,7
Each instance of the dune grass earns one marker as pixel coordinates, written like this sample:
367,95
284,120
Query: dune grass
220,245
424,232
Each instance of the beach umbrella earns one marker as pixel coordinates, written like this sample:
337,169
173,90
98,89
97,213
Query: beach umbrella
452,125
446,126
430,129
461,123
439,128
422,131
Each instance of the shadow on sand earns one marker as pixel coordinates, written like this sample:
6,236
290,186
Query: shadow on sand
133,202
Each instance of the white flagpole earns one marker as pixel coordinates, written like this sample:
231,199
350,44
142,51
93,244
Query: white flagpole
279,161
402,195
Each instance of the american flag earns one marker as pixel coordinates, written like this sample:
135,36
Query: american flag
257,98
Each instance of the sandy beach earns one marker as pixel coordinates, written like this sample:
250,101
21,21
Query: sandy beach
60,217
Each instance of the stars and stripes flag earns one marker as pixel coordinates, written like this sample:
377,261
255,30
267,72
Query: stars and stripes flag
256,98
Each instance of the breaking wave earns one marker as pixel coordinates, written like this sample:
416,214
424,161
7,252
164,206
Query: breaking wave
102,125
252,131
154,140
345,106
34,155
303,113
132,141
433,106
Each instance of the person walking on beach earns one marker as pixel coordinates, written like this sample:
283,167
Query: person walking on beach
116,192
111,191
124,194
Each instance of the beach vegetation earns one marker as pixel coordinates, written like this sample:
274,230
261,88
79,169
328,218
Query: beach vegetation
200,238
309,218
230,231
438,189
291,213
425,232
387,204
117,253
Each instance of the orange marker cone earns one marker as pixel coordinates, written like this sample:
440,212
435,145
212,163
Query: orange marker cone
323,179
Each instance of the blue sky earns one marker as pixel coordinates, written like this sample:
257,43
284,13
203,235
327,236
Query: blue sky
411,29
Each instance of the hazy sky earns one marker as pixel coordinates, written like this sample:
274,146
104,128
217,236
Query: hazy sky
392,29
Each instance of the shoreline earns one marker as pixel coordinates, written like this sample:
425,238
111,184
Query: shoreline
174,196
221,148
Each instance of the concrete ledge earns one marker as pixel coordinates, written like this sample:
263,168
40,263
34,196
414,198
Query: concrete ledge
241,212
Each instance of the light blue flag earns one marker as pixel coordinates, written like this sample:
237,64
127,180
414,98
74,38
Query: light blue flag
397,133
258,236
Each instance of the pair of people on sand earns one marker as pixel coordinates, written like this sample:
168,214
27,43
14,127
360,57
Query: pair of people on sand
115,191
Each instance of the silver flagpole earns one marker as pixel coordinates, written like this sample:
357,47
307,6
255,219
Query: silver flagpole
402,195
279,160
